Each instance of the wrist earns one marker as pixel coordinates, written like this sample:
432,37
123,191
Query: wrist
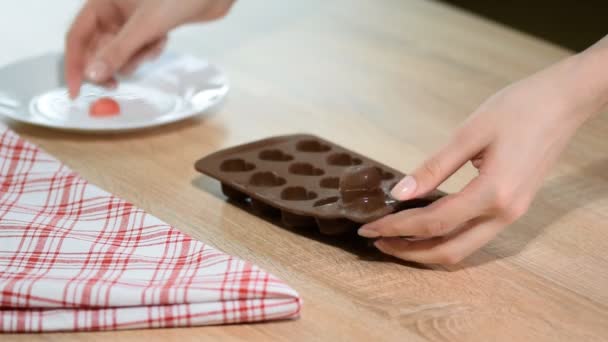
589,79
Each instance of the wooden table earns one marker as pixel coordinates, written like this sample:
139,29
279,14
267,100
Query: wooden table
386,78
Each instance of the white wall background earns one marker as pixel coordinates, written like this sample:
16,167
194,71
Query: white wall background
34,27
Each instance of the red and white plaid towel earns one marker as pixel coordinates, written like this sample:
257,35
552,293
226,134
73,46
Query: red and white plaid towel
73,257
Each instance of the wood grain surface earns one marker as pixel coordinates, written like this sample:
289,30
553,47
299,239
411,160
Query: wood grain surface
389,79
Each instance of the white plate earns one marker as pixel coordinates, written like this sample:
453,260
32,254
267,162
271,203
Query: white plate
172,88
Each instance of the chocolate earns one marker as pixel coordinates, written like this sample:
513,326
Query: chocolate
360,182
307,182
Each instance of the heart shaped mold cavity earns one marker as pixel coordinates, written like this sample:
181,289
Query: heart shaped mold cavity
236,165
326,201
275,155
297,193
305,169
312,146
330,183
385,175
342,159
266,179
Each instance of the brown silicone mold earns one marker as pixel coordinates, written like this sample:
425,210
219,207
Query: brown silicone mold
308,181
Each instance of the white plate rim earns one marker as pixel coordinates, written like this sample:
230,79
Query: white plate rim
208,110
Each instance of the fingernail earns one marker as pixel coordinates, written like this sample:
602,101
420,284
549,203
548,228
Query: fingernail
97,71
367,232
404,189
379,244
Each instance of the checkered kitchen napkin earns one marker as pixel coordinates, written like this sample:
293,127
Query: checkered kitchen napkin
74,257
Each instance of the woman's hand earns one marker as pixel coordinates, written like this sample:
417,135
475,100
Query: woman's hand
111,36
513,139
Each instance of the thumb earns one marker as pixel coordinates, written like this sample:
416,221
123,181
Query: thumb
115,54
436,169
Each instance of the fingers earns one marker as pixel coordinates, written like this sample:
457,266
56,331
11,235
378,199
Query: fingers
140,34
438,167
218,10
447,250
110,84
460,224
100,39
113,56
438,219
76,44
150,51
